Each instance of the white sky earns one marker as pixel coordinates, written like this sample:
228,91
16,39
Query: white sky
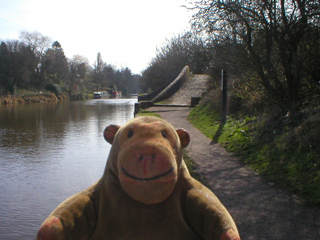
126,32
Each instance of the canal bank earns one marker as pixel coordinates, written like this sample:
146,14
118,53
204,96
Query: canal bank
261,210
32,98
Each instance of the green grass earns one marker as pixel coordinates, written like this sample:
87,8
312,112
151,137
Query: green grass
191,166
148,113
266,150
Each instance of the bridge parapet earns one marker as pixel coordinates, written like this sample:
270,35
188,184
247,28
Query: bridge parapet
168,89
173,87
185,91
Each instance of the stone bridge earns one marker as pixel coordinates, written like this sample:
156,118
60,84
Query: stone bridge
185,91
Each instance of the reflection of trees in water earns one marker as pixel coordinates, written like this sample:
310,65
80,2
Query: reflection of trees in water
31,128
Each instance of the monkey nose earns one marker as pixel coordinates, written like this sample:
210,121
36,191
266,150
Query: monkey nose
147,162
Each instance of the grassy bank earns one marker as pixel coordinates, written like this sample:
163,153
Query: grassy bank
286,156
32,98
39,97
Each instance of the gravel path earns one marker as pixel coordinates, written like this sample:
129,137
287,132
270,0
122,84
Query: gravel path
261,210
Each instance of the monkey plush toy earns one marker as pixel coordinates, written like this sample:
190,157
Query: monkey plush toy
146,192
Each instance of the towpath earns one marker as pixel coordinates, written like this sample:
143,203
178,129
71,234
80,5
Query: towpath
261,210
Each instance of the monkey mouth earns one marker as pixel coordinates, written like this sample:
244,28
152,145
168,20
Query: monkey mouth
146,179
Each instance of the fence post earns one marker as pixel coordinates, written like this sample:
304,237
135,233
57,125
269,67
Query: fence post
224,89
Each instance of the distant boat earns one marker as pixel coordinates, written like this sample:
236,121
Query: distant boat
97,95
116,94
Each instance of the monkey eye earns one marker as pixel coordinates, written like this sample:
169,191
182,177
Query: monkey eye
164,134
130,134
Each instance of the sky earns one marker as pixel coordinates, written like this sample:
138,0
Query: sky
125,32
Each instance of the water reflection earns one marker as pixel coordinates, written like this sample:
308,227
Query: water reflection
49,152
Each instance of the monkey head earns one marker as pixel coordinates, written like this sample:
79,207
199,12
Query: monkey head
146,155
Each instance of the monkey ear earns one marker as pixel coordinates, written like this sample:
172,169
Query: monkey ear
184,137
110,132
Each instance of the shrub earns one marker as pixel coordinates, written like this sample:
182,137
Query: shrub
53,88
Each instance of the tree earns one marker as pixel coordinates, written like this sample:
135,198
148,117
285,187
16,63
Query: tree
17,65
6,80
38,44
98,71
124,80
272,33
109,73
136,79
36,41
55,66
78,69
184,49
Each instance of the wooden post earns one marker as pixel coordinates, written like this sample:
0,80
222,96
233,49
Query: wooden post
224,89
136,108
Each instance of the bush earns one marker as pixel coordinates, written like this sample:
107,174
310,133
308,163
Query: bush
53,88
80,96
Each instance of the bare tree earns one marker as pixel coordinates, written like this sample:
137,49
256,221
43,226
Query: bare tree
39,45
36,41
98,71
273,34
184,49
78,69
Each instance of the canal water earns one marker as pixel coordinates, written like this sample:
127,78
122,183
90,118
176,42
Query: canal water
49,152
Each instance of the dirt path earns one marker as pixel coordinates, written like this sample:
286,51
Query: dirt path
261,210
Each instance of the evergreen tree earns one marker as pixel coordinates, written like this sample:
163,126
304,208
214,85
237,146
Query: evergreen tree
55,66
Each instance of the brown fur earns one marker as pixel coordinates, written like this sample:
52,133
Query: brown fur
146,192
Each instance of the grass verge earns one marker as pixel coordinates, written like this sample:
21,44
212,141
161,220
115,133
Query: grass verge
148,113
274,152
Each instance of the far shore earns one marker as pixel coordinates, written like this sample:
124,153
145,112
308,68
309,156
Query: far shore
37,98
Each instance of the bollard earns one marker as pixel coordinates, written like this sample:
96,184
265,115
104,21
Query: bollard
195,101
136,108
